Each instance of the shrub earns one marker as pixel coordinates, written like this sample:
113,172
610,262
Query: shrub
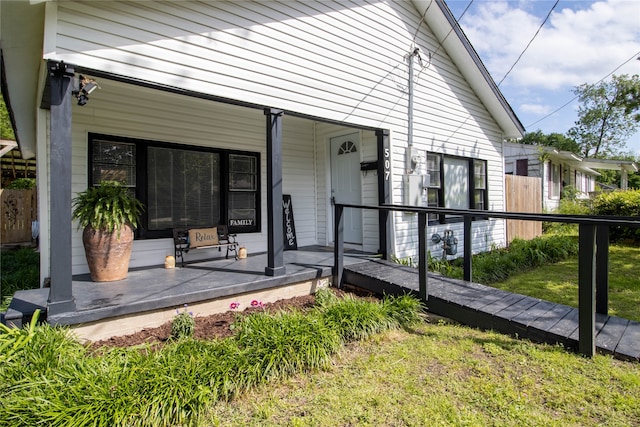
501,263
22,184
20,270
51,379
183,325
567,207
620,203
355,319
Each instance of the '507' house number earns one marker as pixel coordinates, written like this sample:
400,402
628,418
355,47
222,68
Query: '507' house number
387,164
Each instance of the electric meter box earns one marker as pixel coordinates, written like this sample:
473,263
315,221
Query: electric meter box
413,190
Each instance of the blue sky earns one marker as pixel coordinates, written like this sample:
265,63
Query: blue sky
581,42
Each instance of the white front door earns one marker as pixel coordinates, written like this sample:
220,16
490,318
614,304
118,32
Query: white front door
346,186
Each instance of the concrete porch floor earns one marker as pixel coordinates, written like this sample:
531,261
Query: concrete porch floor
150,296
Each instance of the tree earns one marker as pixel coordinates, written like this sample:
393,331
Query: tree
6,130
607,115
556,140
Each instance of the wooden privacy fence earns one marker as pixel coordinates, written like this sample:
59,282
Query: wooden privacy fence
18,209
523,194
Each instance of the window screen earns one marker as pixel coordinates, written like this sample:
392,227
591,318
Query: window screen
183,188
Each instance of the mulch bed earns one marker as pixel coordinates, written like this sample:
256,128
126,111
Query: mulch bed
212,326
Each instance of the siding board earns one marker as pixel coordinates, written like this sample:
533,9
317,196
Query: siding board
340,60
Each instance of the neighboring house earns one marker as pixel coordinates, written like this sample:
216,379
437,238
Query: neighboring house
211,110
560,169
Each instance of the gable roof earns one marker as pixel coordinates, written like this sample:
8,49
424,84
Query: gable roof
449,34
18,52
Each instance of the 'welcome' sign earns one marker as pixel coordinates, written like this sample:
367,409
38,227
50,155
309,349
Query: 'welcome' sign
290,239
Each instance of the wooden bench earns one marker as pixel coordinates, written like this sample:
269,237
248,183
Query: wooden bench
186,239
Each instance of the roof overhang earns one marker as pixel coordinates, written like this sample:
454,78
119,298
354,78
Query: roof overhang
588,165
21,41
611,164
449,34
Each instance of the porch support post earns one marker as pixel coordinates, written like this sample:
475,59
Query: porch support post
587,290
384,191
624,179
602,269
275,228
60,295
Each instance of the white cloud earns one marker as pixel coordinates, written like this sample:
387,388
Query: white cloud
539,109
580,43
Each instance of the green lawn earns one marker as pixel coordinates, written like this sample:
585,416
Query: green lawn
347,362
446,375
559,282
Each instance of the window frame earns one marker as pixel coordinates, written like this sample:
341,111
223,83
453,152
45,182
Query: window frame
141,187
472,189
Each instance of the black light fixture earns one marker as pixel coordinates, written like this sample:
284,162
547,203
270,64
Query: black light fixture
85,87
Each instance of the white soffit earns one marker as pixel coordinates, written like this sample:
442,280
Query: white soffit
21,34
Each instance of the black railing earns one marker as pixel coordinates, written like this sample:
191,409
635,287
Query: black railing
593,257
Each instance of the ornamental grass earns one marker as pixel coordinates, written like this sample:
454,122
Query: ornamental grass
51,379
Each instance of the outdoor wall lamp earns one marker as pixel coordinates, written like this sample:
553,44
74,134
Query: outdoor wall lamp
85,87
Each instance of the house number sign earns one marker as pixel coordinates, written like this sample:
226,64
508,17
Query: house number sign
387,163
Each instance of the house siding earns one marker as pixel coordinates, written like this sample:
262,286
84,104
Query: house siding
279,54
160,116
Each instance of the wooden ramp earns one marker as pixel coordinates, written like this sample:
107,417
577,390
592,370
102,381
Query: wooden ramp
488,308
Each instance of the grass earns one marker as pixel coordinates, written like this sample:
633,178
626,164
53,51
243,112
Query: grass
443,374
50,379
558,282
499,264
347,362
19,269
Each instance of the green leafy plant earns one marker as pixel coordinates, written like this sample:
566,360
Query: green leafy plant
107,206
567,206
621,203
408,261
20,269
501,263
12,340
183,325
54,380
22,184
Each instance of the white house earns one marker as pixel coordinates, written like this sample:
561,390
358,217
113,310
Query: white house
211,110
560,169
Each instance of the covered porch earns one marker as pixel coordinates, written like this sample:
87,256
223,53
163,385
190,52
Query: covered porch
149,296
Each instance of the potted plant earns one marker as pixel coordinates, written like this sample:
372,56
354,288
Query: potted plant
108,213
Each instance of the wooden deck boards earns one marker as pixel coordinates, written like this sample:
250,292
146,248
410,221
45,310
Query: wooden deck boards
482,306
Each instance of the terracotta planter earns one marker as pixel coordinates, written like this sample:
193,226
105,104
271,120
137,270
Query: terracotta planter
107,255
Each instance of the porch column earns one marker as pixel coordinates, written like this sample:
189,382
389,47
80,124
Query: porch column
60,295
384,191
624,179
275,228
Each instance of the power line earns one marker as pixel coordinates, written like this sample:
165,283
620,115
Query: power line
530,41
575,97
